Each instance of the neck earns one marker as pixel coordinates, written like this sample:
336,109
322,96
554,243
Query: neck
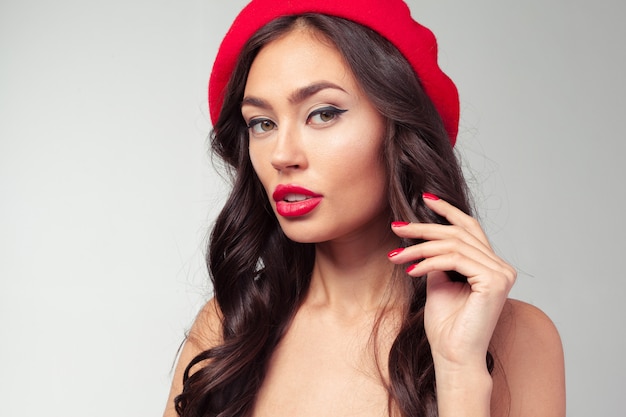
352,276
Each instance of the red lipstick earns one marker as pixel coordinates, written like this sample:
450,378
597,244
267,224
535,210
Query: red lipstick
295,201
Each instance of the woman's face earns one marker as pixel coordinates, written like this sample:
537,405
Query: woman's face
315,141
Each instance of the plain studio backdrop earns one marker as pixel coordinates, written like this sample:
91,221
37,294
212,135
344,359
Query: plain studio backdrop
107,191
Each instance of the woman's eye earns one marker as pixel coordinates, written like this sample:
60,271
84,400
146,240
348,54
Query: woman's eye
261,125
325,115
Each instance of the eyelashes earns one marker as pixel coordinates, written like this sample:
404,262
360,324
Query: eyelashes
261,125
319,117
324,115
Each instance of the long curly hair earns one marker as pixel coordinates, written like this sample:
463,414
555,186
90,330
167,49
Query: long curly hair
260,276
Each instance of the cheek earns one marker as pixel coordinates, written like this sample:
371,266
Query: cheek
352,150
260,168
256,159
360,172
368,170
361,159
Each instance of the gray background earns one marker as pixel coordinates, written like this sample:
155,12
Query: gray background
106,191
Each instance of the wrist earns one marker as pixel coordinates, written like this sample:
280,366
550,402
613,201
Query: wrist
463,378
463,391
475,362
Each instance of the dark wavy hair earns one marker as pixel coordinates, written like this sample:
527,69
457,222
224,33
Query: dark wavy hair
260,276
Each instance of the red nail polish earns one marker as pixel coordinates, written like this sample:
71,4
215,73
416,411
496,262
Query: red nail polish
430,196
410,268
399,224
395,252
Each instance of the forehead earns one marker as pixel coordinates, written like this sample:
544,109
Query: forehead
300,57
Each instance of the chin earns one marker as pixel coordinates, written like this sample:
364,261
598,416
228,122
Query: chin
298,231
303,237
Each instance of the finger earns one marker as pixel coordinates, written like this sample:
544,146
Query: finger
455,216
441,247
479,277
433,232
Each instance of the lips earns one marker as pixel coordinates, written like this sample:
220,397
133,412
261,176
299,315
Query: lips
295,201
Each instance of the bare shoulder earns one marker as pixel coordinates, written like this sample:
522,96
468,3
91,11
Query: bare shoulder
529,377
525,323
205,333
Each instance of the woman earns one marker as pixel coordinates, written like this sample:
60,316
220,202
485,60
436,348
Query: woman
349,276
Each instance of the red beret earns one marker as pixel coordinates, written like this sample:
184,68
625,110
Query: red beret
390,18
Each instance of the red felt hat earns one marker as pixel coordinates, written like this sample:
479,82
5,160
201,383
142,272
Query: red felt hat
390,18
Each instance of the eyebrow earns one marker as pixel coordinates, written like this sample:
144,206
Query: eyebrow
296,97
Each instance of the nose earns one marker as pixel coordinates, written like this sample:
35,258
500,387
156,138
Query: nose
288,153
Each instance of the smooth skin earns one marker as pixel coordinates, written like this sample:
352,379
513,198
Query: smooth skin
460,320
327,364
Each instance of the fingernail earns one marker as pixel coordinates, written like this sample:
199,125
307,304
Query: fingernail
430,196
395,252
399,224
410,268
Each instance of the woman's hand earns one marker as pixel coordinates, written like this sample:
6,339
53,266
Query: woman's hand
459,317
